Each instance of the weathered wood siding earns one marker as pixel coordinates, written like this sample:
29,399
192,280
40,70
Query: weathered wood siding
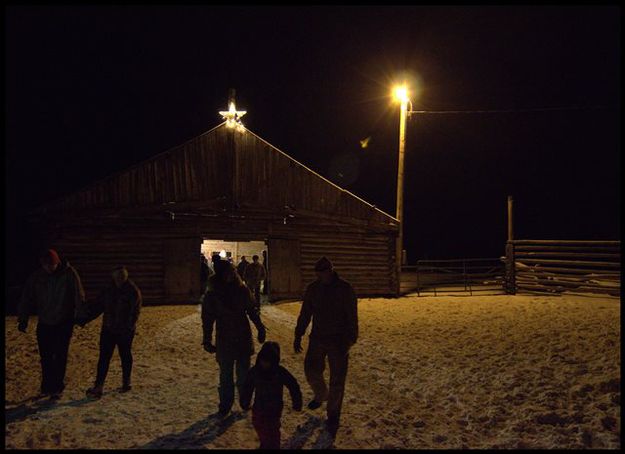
94,256
363,257
222,164
199,169
270,178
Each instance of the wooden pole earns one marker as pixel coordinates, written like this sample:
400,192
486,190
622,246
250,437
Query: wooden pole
510,227
400,191
510,269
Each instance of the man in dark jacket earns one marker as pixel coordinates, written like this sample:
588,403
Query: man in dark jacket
204,273
242,266
55,294
331,303
121,304
254,274
266,380
227,304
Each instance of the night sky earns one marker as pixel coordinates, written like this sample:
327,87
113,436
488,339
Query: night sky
93,90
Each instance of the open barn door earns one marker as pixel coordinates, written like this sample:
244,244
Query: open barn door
285,275
181,257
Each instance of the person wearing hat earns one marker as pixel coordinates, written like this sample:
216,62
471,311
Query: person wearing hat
332,305
55,294
120,303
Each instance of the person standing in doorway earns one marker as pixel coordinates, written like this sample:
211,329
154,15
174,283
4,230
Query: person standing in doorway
242,266
55,294
254,275
266,282
204,274
121,304
331,303
228,305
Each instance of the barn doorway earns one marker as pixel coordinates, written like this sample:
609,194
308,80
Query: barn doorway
234,251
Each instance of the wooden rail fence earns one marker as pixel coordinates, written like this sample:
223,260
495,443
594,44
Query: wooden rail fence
555,266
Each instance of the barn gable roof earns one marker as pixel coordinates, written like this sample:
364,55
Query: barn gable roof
221,169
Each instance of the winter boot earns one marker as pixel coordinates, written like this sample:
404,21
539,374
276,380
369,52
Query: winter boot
95,392
56,395
313,404
223,412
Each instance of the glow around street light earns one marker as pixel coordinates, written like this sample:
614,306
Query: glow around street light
400,93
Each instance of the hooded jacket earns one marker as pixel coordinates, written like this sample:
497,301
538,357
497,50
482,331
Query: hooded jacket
56,298
333,309
121,307
228,306
267,384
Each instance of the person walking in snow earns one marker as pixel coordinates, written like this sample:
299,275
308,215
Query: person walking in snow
54,292
254,274
331,303
120,303
228,304
266,380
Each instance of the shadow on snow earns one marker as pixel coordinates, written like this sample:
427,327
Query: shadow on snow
23,410
302,433
196,435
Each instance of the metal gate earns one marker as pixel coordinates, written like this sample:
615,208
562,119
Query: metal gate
469,276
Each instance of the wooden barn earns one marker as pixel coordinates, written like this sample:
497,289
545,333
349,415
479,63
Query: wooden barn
225,187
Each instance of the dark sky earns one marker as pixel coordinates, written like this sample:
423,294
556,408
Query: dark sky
92,90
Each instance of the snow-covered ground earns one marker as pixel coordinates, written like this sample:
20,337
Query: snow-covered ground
429,372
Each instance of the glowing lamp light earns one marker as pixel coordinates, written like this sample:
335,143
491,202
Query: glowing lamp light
222,254
400,93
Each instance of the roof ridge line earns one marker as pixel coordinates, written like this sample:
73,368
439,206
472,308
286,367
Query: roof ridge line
321,176
119,172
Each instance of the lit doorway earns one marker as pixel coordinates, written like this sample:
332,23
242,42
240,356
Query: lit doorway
234,251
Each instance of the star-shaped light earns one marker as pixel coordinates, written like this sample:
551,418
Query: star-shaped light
233,116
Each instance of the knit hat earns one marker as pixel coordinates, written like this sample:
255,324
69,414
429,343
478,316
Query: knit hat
50,256
323,264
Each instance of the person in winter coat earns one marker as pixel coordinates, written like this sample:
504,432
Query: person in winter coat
266,380
242,266
120,303
331,303
204,273
228,304
254,274
55,294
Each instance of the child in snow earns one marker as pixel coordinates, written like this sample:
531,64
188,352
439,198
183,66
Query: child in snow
266,380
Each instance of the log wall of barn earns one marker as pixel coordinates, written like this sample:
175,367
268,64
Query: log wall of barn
95,256
362,256
365,260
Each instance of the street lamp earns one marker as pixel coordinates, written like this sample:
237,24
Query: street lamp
401,95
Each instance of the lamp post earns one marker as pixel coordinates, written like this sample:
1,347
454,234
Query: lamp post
400,93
